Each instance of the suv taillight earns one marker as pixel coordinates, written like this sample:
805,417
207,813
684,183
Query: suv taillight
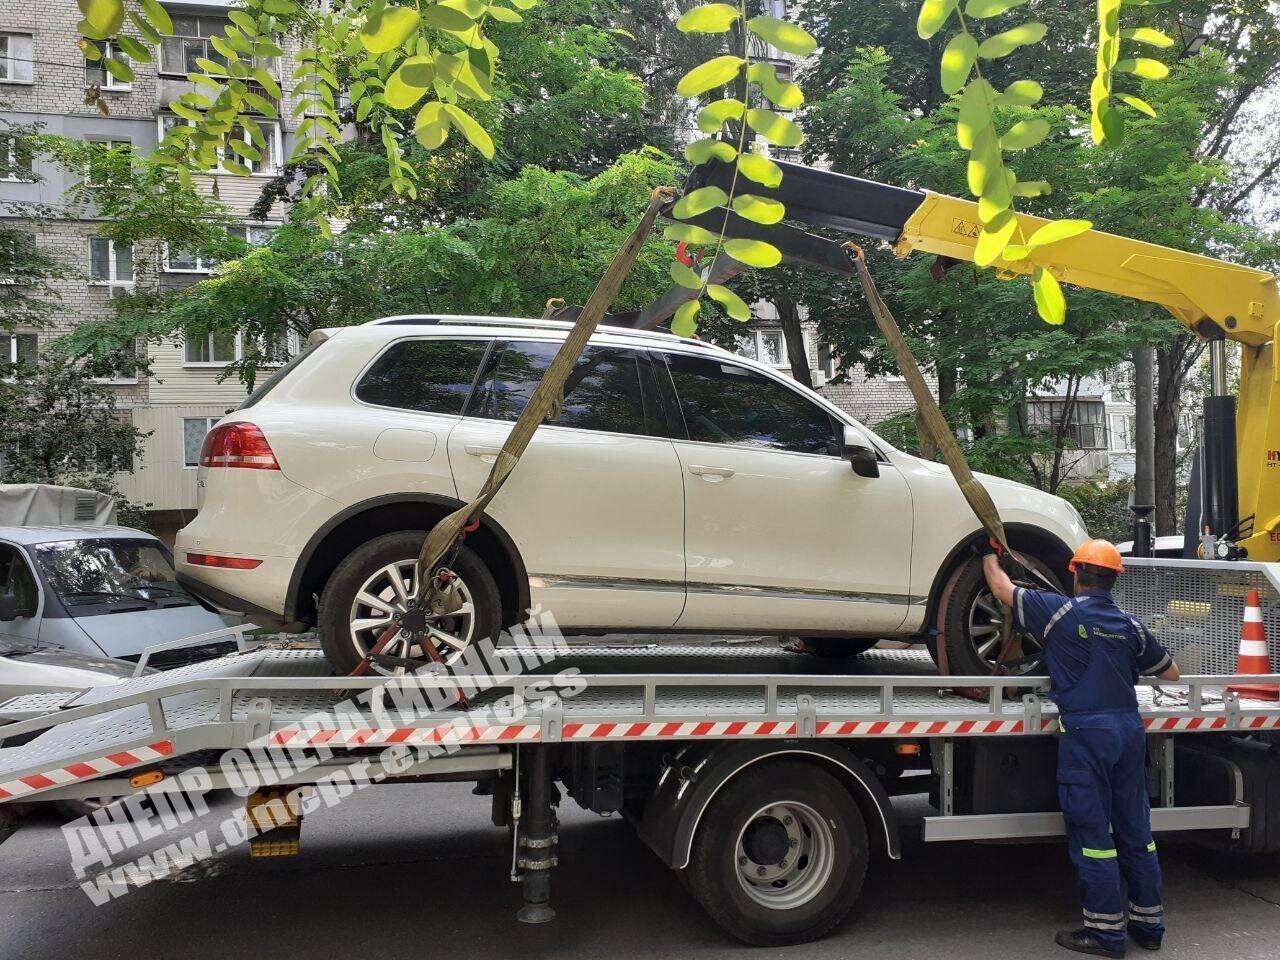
237,445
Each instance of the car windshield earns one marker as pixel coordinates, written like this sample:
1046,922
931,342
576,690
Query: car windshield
111,571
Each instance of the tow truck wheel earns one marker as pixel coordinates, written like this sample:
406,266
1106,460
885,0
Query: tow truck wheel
780,854
375,583
970,620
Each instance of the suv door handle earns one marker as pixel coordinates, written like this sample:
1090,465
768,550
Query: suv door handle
711,474
483,452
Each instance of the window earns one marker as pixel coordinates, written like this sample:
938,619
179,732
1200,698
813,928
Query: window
602,393
97,75
18,348
433,376
100,166
17,159
212,349
16,58
193,434
190,42
1122,431
1086,430
17,253
726,403
190,261
110,262
269,149
828,362
767,346
16,578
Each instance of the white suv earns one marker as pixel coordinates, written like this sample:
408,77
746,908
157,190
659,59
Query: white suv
682,488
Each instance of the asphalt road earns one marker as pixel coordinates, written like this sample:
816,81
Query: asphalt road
417,871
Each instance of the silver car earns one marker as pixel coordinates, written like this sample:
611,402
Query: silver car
103,591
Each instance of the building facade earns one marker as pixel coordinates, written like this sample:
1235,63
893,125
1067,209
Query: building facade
45,81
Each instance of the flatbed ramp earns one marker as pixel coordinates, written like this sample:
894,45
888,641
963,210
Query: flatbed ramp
285,699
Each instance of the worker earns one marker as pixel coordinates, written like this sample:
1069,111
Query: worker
1094,653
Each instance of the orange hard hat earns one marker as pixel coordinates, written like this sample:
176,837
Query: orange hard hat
1098,553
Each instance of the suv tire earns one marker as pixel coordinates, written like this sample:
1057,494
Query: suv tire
965,601
337,601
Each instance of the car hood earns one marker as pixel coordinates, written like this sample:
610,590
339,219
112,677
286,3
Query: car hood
52,660
128,634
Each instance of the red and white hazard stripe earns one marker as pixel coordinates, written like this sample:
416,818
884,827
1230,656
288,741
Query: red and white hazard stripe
85,770
412,736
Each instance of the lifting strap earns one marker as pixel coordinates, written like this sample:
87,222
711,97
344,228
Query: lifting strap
447,535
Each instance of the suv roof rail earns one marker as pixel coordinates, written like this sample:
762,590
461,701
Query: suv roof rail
428,320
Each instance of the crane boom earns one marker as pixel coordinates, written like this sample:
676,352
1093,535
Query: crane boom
1215,299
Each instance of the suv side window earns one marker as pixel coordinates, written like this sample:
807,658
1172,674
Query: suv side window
433,376
16,578
602,393
726,403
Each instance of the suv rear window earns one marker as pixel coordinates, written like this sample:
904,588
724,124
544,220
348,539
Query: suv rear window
433,376
602,393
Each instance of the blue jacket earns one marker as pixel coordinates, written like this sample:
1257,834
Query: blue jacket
1094,651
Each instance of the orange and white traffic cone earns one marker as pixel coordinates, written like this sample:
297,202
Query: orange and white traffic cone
1253,652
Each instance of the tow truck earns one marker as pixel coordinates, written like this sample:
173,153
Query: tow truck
762,777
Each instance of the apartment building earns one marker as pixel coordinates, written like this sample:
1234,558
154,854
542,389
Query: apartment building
43,80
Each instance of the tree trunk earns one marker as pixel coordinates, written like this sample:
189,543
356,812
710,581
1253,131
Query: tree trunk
789,315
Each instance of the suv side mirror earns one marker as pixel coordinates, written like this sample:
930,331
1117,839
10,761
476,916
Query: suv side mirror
9,608
861,457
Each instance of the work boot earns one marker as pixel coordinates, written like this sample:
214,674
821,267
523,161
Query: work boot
1085,940
1144,938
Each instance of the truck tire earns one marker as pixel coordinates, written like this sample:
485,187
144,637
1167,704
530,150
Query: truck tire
967,614
369,570
780,854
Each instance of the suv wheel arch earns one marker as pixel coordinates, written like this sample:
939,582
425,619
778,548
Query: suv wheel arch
361,522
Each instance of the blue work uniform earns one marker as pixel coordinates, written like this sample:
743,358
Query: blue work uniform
1095,652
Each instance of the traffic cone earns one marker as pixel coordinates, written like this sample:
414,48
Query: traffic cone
1253,652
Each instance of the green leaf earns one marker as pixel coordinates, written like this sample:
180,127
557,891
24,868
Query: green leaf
699,201
388,29
689,233
1022,93
1014,252
684,276
158,17
1148,35
1032,188
754,253
712,117
993,238
708,18
105,17
700,151
234,166
975,112
447,18
504,14
1003,44
431,129
933,16
781,93
685,322
91,51
775,128
733,304
997,195
957,62
1050,303
1111,124
1025,134
524,4
990,8
133,49
118,69
1139,104
476,135
1143,67
409,83
758,209
760,169
785,36
1058,230
705,76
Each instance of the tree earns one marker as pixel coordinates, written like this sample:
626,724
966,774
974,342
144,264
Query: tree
27,274
62,425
